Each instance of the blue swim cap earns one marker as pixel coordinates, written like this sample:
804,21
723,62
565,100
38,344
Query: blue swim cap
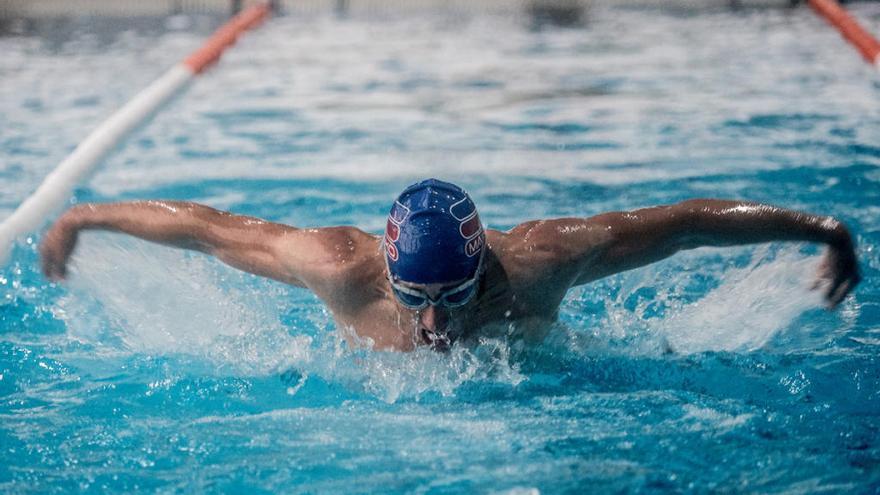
433,234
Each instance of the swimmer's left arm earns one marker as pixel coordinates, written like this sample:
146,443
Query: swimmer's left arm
614,242
301,257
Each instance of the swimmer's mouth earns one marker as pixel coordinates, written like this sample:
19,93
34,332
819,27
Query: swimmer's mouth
437,341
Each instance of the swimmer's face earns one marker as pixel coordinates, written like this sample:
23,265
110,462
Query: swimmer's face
436,324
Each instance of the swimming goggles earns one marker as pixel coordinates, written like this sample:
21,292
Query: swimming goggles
451,298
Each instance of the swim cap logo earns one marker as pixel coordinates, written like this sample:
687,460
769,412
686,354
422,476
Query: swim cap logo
470,228
392,229
474,245
391,249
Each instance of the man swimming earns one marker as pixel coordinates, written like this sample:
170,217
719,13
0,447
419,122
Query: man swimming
436,276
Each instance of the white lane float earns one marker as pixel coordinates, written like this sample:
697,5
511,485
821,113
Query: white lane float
58,186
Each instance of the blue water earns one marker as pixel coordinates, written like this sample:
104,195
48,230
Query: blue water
154,370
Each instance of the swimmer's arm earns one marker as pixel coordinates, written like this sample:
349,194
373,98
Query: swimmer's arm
619,241
256,246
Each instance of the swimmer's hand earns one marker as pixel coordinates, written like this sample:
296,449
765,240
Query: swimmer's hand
839,271
56,247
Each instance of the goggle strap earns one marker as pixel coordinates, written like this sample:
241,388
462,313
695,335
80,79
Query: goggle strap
417,293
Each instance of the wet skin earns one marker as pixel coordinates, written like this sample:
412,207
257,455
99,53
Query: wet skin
526,271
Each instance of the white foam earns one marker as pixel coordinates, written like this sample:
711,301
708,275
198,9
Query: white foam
651,311
151,299
750,307
128,296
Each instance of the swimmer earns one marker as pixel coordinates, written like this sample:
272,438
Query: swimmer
436,275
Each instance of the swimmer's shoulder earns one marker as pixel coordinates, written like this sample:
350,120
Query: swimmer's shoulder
516,254
542,241
328,257
335,247
545,248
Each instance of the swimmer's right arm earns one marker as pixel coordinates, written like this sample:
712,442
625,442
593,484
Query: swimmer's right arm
256,246
577,251
621,241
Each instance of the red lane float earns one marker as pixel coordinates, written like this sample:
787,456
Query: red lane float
225,36
849,28
57,187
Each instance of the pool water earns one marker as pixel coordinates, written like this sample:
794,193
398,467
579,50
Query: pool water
716,370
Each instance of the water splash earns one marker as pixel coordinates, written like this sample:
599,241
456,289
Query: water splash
698,303
749,309
130,297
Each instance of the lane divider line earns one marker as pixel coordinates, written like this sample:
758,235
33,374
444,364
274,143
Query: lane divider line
849,28
58,185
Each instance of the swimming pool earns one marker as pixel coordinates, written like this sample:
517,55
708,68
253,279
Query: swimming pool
155,370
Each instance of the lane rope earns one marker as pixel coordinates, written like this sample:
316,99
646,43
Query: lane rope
58,185
849,28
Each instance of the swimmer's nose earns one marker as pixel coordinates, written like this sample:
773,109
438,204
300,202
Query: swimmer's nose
434,319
